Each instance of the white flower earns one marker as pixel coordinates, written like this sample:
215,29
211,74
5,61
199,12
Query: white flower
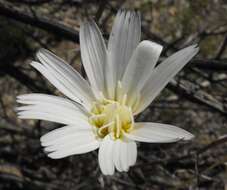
122,82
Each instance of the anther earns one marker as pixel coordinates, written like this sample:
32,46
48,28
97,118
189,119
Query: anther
104,126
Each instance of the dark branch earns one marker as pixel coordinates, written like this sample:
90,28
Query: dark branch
31,2
209,64
222,48
46,24
24,79
197,96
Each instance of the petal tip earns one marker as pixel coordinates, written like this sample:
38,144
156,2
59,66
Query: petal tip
34,64
188,136
151,45
194,48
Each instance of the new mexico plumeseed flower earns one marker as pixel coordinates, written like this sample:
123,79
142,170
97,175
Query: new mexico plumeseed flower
99,113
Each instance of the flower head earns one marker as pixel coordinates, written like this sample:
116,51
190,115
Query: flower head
123,80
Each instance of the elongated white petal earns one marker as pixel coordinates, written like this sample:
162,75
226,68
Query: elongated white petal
106,156
55,109
73,140
67,141
59,84
85,148
124,154
60,135
51,108
93,52
33,98
124,38
117,155
64,78
140,68
79,86
158,133
163,73
132,153
63,119
38,98
141,65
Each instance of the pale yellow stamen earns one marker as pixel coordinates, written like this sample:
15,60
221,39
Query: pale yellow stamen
100,130
118,127
124,99
97,116
119,91
111,117
132,119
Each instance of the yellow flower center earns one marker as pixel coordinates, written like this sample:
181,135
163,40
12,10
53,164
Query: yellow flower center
111,117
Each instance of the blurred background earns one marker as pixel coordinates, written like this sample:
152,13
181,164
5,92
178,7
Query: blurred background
196,101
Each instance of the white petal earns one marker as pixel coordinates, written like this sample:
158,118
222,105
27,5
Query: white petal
117,155
51,108
59,135
68,141
163,73
49,117
37,98
64,77
53,80
124,154
158,133
106,156
93,52
132,153
140,67
124,38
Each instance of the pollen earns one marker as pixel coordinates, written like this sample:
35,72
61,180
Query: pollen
111,117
